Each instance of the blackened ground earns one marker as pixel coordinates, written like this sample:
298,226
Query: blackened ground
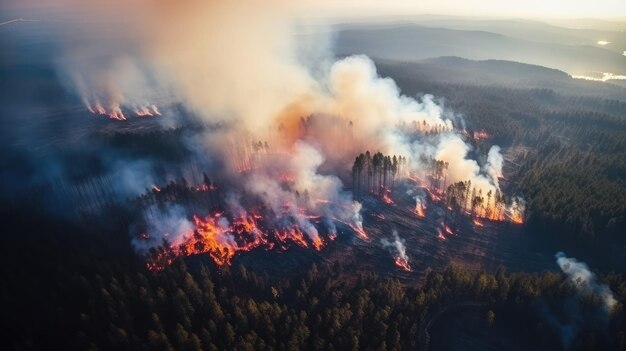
495,245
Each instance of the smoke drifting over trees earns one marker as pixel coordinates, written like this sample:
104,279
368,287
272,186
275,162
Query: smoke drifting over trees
281,116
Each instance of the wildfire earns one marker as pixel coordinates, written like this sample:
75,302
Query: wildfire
221,240
402,263
420,210
286,178
485,209
387,198
114,111
480,135
440,235
147,111
517,218
434,196
205,187
358,229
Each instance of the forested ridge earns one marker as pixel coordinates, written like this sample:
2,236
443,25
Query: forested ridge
65,290
573,170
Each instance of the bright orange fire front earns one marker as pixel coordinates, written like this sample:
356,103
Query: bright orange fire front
222,240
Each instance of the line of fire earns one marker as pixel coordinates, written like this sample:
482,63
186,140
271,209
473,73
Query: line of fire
195,215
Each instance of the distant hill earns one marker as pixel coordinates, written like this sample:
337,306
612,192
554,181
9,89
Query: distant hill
497,72
533,31
411,42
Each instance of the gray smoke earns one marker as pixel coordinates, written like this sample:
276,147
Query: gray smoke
585,281
575,317
398,246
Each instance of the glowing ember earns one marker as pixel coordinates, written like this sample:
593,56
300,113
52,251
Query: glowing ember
440,235
204,188
114,110
420,210
332,235
358,229
402,264
380,216
478,223
147,111
447,229
286,178
517,218
433,195
387,198
156,188
481,135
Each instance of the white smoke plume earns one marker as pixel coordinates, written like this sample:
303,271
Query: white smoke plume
169,224
494,164
307,193
399,248
573,318
579,274
244,64
241,65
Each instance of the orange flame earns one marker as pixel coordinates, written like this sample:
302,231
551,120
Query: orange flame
420,210
481,135
402,264
478,223
440,235
147,111
387,198
517,218
215,236
358,229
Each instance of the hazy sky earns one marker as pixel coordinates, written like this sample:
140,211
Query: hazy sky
546,9
608,9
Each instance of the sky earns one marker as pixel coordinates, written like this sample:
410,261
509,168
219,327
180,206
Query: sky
556,9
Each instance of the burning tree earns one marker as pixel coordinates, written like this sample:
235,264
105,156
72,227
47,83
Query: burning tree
375,174
493,205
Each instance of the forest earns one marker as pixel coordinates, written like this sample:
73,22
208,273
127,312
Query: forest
83,287
572,168
93,293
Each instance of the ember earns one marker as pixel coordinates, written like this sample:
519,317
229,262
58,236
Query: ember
402,264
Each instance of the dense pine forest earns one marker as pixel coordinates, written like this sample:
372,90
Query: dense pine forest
65,290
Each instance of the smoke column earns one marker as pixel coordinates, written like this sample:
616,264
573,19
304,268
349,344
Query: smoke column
585,281
399,250
241,66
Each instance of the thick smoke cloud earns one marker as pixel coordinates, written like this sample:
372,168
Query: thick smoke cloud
242,66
